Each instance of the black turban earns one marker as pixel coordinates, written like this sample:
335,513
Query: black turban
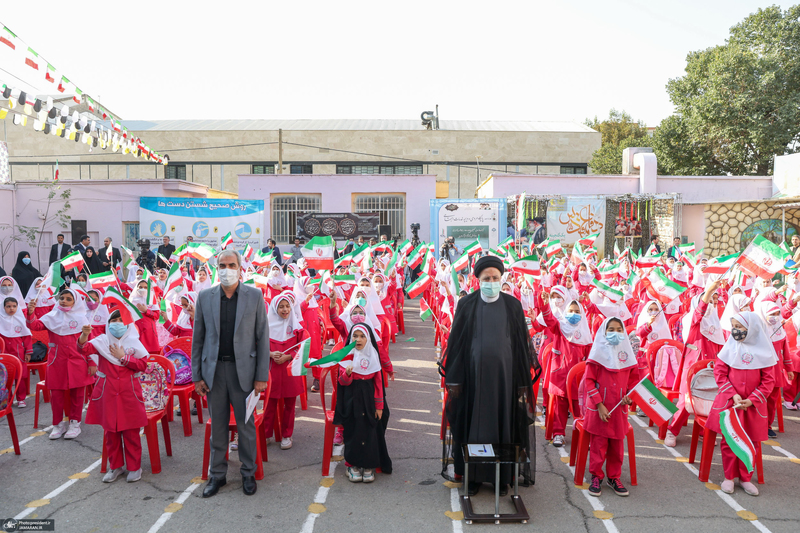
488,261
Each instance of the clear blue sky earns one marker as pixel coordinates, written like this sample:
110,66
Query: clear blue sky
524,60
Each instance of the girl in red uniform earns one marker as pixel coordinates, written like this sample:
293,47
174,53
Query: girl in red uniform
184,325
285,335
611,371
744,371
117,402
96,313
68,369
17,339
146,325
42,299
770,315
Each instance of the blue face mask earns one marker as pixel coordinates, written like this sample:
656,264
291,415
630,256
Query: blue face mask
614,337
117,329
573,318
490,289
26,260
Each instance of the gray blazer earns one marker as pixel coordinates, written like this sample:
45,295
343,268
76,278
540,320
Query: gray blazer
250,340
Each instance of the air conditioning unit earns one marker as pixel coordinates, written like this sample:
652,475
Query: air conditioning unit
434,152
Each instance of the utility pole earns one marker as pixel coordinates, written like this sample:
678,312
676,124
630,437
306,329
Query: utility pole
280,151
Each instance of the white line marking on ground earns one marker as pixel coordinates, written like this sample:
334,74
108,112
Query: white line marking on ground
321,496
58,491
166,516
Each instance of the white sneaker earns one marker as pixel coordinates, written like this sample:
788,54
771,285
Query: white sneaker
22,404
670,440
727,486
558,441
286,443
354,474
74,429
368,476
112,475
134,476
749,488
235,443
790,406
58,431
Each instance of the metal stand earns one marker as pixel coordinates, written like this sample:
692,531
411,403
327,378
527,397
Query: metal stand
504,454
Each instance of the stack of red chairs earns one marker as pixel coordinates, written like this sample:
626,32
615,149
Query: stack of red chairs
14,370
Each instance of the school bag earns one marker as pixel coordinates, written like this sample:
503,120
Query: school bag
665,367
704,389
4,395
183,365
154,387
39,352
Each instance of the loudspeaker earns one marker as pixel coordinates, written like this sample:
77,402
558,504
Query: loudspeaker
385,229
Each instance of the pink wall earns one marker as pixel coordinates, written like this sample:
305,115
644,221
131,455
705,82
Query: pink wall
337,191
694,224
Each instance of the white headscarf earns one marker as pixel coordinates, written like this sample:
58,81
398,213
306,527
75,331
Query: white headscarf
184,319
660,326
710,326
755,351
42,300
129,342
366,361
300,285
698,278
14,325
99,315
276,277
608,308
680,274
67,322
198,285
733,307
775,332
372,318
133,275
575,333
612,357
372,299
15,293
281,329
136,298
584,278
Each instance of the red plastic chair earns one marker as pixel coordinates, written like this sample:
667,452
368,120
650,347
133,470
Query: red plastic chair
40,367
14,370
330,428
548,419
151,429
324,313
401,322
671,323
579,447
2,345
630,329
673,393
184,392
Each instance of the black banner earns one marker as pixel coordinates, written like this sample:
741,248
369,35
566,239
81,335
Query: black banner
340,226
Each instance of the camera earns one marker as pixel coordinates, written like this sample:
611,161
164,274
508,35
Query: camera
143,243
415,227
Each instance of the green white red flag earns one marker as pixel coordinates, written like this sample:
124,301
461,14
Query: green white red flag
419,286
73,260
648,261
226,241
405,247
520,212
737,438
201,251
553,247
102,279
52,280
720,265
462,262
762,258
117,302
589,240
528,265
299,360
655,405
660,287
473,248
417,255
248,252
261,259
286,255
334,358
425,311
318,252
615,295
509,241
174,278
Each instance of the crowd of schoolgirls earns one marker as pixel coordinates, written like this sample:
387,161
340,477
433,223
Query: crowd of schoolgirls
100,332
607,313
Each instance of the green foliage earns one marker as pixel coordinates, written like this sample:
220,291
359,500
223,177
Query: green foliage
18,233
619,131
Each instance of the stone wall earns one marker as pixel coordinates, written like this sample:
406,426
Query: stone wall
726,224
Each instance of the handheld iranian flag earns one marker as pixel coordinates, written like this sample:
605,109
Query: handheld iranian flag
528,265
261,259
687,248
392,263
248,252
462,262
553,247
589,240
608,272
344,260
651,250
162,306
201,251
117,302
617,251
102,279
298,366
648,261
262,282
164,259
721,265
405,247
509,241
608,291
286,255
417,288
52,280
127,257
344,279
334,358
153,292
55,172
520,212
736,437
474,248
578,254
633,279
226,241
425,311
762,258
661,287
319,253
73,260
174,278
416,256
655,405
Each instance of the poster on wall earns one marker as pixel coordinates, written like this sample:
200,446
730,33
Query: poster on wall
573,218
467,220
340,226
207,220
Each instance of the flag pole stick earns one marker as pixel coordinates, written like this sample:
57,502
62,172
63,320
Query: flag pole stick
627,394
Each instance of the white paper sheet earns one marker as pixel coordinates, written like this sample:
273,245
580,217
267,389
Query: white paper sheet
480,450
252,402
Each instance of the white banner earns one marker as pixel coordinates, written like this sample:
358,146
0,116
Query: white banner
571,219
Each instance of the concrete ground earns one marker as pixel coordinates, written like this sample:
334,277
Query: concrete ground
61,479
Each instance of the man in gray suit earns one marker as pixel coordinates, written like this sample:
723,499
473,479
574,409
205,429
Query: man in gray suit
230,358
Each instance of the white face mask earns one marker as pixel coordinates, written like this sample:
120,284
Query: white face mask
773,319
228,276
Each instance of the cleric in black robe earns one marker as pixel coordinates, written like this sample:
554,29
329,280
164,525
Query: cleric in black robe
487,371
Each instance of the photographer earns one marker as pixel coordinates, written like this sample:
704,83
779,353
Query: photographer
146,259
450,251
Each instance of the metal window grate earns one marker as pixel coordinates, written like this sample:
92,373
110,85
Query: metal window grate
573,170
390,207
301,169
175,172
284,210
263,169
379,169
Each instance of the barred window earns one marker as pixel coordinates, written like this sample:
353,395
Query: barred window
263,169
301,169
176,172
379,169
573,170
390,207
285,207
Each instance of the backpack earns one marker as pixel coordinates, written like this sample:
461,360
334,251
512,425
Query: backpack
182,362
665,367
704,390
4,394
154,387
39,352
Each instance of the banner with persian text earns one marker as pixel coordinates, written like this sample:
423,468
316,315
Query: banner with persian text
573,218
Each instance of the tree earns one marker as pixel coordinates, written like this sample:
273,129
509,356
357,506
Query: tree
617,132
18,233
33,234
739,103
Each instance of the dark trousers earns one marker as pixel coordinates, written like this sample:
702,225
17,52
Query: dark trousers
227,392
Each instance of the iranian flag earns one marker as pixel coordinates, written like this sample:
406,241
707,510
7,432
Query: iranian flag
589,240
261,259
474,248
721,265
344,279
520,212
578,254
553,247
286,255
319,253
651,250
762,258
174,278
653,403
648,261
334,358
180,253
201,251
52,280
416,256
608,272
608,291
32,59
298,366
661,287
153,292
528,265
248,252
509,241
405,247
425,311
226,241
359,253
8,38
417,288
633,279
55,171
102,279
617,252
462,262
737,438
117,302
258,280
73,260
687,248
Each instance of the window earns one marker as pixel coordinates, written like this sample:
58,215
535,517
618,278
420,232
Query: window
301,169
285,207
263,169
379,169
391,207
176,172
573,170
130,234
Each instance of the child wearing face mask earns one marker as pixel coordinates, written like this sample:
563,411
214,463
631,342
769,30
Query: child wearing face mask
745,374
17,339
770,315
611,371
117,403
148,335
652,326
97,313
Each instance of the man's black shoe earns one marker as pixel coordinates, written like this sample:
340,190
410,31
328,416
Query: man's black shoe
214,484
473,489
249,485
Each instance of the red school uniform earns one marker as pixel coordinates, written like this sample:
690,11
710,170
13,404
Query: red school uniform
20,346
